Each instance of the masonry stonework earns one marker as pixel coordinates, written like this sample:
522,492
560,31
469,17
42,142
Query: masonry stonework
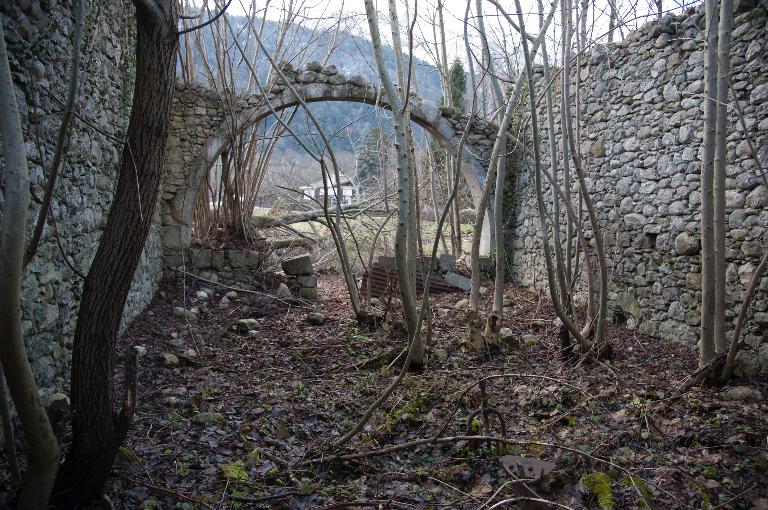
39,37
641,127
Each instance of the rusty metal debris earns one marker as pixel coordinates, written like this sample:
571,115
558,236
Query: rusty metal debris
383,281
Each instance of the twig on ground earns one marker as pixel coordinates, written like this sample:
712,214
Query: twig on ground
171,492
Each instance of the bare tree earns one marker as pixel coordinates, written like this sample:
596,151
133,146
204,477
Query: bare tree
334,225
707,341
725,26
499,151
43,457
97,429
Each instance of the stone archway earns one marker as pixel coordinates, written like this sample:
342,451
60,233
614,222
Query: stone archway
201,130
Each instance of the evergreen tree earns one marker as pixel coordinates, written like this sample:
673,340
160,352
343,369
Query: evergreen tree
370,160
458,82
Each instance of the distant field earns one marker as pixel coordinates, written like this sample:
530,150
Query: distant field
364,229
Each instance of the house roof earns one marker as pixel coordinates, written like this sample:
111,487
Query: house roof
345,181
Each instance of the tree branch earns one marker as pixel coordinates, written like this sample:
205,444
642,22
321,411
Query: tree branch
63,136
202,25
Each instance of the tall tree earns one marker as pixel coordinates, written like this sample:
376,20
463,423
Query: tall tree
43,458
369,159
457,80
718,184
707,339
97,428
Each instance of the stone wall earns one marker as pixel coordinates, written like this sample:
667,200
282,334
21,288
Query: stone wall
641,127
39,38
229,267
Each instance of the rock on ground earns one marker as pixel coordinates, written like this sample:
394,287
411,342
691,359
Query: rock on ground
169,360
283,292
458,281
743,394
315,318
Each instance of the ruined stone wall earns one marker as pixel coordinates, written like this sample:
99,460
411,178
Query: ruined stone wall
39,37
641,133
202,125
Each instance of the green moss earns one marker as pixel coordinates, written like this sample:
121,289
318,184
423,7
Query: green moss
126,455
412,408
599,484
638,484
706,504
235,471
710,471
254,456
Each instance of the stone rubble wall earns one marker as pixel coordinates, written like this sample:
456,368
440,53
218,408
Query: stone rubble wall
196,115
229,267
39,38
641,129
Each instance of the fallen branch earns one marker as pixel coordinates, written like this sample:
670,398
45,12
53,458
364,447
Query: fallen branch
385,357
263,499
518,499
378,503
455,439
171,492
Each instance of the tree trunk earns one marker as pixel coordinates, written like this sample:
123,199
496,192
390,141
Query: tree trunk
718,187
97,428
707,340
43,457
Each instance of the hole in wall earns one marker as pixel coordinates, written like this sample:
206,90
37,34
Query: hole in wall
620,317
649,240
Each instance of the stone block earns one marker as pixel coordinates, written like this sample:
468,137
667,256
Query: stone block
686,244
306,281
446,262
459,281
298,266
308,292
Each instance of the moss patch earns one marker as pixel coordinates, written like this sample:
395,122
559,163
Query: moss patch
599,484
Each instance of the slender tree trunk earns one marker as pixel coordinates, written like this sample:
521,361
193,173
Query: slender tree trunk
560,268
455,209
495,320
538,171
43,457
404,193
611,21
496,152
572,142
718,188
741,319
707,340
97,428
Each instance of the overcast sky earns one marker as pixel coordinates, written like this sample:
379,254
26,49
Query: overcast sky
633,13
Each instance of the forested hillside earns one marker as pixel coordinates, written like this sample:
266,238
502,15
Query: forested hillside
352,55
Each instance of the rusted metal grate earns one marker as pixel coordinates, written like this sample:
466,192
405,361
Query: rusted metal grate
383,280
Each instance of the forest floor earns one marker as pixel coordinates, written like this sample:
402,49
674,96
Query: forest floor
243,420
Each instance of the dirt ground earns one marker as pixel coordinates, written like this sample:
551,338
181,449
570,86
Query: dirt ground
248,420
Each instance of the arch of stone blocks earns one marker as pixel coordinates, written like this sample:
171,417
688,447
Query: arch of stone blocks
201,129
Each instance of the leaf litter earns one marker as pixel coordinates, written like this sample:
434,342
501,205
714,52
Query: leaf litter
247,419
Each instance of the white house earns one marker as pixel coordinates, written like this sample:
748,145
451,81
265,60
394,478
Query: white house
316,190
